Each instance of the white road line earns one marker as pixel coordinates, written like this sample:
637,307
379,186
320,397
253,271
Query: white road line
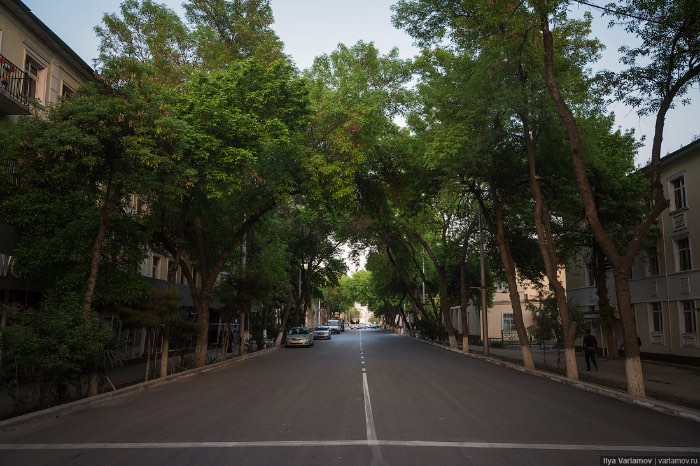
369,419
345,443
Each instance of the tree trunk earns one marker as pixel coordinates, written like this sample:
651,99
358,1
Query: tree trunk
512,280
200,351
445,307
444,295
548,250
93,379
97,255
148,357
607,315
633,363
164,349
285,316
635,380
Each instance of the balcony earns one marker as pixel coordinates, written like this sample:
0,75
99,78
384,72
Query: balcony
13,99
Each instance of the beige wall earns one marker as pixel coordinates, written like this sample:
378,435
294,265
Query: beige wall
21,35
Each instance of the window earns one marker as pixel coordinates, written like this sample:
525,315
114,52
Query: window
678,186
689,322
657,318
508,322
155,264
33,78
683,254
66,91
652,260
590,270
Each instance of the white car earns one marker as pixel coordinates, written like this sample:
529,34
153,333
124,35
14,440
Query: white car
334,325
322,332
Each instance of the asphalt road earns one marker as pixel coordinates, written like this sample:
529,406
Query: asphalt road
363,398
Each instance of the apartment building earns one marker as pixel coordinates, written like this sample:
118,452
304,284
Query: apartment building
665,280
36,69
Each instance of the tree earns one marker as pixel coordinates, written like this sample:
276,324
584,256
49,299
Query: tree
240,156
466,120
227,30
671,37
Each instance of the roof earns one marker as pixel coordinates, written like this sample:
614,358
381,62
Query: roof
693,146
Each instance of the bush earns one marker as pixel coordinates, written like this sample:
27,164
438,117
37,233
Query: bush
47,352
431,330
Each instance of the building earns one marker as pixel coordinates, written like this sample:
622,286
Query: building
36,69
665,278
37,66
500,320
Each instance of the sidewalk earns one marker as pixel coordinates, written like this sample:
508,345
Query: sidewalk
667,382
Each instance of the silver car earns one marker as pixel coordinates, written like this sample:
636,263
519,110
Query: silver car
300,336
334,325
322,332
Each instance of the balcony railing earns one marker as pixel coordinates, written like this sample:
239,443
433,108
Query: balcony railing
13,99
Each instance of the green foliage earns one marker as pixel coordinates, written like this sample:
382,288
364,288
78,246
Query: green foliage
355,94
145,37
545,320
162,306
47,352
228,30
431,329
665,63
74,170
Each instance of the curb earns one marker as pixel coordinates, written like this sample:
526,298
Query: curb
78,405
660,406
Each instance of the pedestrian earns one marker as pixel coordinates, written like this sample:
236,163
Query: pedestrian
590,346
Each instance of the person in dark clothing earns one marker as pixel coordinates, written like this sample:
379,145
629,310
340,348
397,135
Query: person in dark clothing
590,346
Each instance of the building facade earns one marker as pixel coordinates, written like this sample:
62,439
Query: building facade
665,278
500,320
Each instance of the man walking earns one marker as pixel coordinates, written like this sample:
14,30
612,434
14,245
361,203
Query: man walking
590,346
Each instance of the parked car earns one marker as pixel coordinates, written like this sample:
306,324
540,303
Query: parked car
300,336
334,324
322,332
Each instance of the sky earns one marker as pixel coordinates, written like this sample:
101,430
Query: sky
310,28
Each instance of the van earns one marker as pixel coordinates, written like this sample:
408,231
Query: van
335,325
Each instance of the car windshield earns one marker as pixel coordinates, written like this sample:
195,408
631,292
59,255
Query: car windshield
321,328
299,331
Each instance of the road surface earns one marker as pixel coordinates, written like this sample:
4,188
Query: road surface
365,397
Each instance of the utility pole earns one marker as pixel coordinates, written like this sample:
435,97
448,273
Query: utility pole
484,310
